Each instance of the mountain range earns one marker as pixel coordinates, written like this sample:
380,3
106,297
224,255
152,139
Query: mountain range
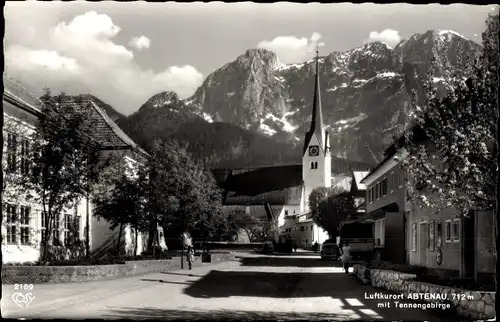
254,110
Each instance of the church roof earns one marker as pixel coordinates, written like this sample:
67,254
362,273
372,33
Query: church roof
317,125
276,185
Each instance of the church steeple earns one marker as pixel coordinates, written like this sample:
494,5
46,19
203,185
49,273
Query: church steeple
317,125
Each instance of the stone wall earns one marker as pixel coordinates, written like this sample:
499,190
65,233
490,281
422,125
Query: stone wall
68,274
480,306
362,273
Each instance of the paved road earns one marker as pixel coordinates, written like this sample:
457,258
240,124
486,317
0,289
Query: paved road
297,286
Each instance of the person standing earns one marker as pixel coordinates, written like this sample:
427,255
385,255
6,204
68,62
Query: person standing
190,256
346,257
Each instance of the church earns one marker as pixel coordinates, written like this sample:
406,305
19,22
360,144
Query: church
282,192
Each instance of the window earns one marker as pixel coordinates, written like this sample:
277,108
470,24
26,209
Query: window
391,182
414,237
455,230
447,231
67,230
77,228
431,239
11,224
384,186
24,157
25,225
56,231
379,232
247,210
301,228
377,190
314,165
42,229
438,236
11,152
286,212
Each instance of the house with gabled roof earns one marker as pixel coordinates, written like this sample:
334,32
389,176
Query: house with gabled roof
23,224
283,191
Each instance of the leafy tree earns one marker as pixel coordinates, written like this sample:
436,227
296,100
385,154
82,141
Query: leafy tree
123,204
317,196
60,157
180,194
459,164
329,206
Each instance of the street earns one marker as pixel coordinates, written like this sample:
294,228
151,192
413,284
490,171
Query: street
295,286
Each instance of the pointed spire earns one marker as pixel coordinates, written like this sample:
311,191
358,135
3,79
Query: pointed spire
317,126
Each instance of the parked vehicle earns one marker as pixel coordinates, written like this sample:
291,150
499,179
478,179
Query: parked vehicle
330,250
359,235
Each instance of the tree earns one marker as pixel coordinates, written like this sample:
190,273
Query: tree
317,196
60,157
329,206
180,194
459,164
123,204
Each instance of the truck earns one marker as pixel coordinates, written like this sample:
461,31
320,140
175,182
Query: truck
359,235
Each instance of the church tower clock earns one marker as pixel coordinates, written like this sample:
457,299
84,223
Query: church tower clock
316,158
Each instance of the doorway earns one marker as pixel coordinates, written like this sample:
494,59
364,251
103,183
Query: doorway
468,227
422,243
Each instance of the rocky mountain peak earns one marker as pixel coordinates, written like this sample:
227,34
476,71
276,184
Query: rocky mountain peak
364,91
162,99
258,58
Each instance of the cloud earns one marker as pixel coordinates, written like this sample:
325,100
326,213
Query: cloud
140,42
83,56
33,59
291,49
389,36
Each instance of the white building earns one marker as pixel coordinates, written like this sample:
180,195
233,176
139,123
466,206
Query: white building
23,225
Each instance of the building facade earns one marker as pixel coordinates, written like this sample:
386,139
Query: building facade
385,204
23,225
443,241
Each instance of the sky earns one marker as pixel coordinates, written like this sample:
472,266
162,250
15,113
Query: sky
124,53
